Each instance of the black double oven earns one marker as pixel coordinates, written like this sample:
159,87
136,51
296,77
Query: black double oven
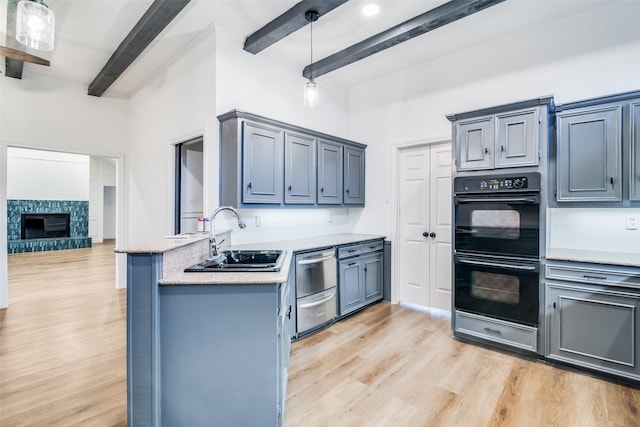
497,246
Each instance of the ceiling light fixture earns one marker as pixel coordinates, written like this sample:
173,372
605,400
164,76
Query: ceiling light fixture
370,9
311,92
35,24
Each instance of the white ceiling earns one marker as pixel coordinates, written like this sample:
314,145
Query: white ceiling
88,32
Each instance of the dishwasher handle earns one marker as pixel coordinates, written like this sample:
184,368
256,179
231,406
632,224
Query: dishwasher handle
315,260
319,302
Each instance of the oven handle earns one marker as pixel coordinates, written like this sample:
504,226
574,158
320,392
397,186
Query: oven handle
497,264
505,199
315,260
320,301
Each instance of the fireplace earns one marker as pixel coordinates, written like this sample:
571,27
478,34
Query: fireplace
44,226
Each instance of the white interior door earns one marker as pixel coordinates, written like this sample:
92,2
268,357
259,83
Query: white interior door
440,226
414,221
425,226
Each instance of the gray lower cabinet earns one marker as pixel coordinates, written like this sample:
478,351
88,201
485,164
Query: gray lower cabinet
262,171
591,324
204,355
360,275
589,143
224,354
353,176
299,169
634,154
329,173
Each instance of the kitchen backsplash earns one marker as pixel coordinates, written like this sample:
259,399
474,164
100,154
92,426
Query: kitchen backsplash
594,229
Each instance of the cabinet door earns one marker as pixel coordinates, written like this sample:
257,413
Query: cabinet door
350,285
594,328
300,169
329,173
517,139
372,277
262,172
589,143
475,143
353,176
634,170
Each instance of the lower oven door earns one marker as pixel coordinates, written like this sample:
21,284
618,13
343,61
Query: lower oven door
316,310
498,287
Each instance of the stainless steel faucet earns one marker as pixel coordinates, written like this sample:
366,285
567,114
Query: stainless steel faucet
213,249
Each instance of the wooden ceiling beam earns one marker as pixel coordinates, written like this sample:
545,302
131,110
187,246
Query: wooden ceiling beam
12,67
421,24
154,20
287,23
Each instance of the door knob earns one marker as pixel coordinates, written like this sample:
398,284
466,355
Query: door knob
432,234
425,234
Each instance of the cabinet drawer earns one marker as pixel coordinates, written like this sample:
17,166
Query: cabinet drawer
349,251
524,337
372,246
594,274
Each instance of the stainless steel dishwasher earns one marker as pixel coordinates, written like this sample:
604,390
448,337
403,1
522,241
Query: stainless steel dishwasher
316,279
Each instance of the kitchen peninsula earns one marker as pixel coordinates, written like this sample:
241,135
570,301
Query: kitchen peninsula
209,348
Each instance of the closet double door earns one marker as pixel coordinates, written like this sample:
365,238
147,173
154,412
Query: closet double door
424,212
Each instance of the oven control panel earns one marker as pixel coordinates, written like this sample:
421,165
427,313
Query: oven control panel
497,183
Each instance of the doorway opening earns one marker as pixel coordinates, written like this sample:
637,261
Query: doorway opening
189,177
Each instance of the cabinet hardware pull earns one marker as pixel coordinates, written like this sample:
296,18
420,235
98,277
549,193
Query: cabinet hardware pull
289,313
322,190
611,180
554,305
347,191
249,185
493,331
502,148
594,277
352,263
486,150
289,188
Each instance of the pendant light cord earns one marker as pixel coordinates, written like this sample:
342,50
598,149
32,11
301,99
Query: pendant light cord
311,50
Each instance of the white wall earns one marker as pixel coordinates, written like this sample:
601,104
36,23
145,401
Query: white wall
593,228
43,113
46,175
412,104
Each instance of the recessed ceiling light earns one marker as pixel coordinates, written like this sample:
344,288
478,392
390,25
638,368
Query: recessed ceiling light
370,9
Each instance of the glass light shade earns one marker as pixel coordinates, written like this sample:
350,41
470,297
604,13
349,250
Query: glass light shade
35,25
311,93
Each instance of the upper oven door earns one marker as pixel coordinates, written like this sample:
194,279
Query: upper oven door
498,224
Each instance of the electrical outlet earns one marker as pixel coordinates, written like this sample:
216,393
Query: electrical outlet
258,221
631,222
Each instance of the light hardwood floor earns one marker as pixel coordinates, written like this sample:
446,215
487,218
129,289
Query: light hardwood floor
62,363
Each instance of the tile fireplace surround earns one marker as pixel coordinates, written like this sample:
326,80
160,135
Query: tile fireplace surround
78,224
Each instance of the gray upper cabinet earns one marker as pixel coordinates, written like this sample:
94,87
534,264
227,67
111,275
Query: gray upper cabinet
262,164
517,139
475,144
589,143
634,169
353,176
300,169
506,136
268,163
329,173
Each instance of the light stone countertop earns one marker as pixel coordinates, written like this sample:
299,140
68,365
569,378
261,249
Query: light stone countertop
169,243
594,256
175,262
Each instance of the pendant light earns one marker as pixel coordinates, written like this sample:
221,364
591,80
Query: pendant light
311,93
35,24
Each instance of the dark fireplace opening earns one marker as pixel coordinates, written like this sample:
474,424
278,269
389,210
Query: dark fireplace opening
44,226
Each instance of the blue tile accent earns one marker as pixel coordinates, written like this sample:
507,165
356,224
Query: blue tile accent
78,211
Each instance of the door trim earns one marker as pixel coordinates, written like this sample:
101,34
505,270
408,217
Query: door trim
395,203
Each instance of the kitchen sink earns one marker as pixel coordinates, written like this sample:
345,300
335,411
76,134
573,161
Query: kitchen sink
241,261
